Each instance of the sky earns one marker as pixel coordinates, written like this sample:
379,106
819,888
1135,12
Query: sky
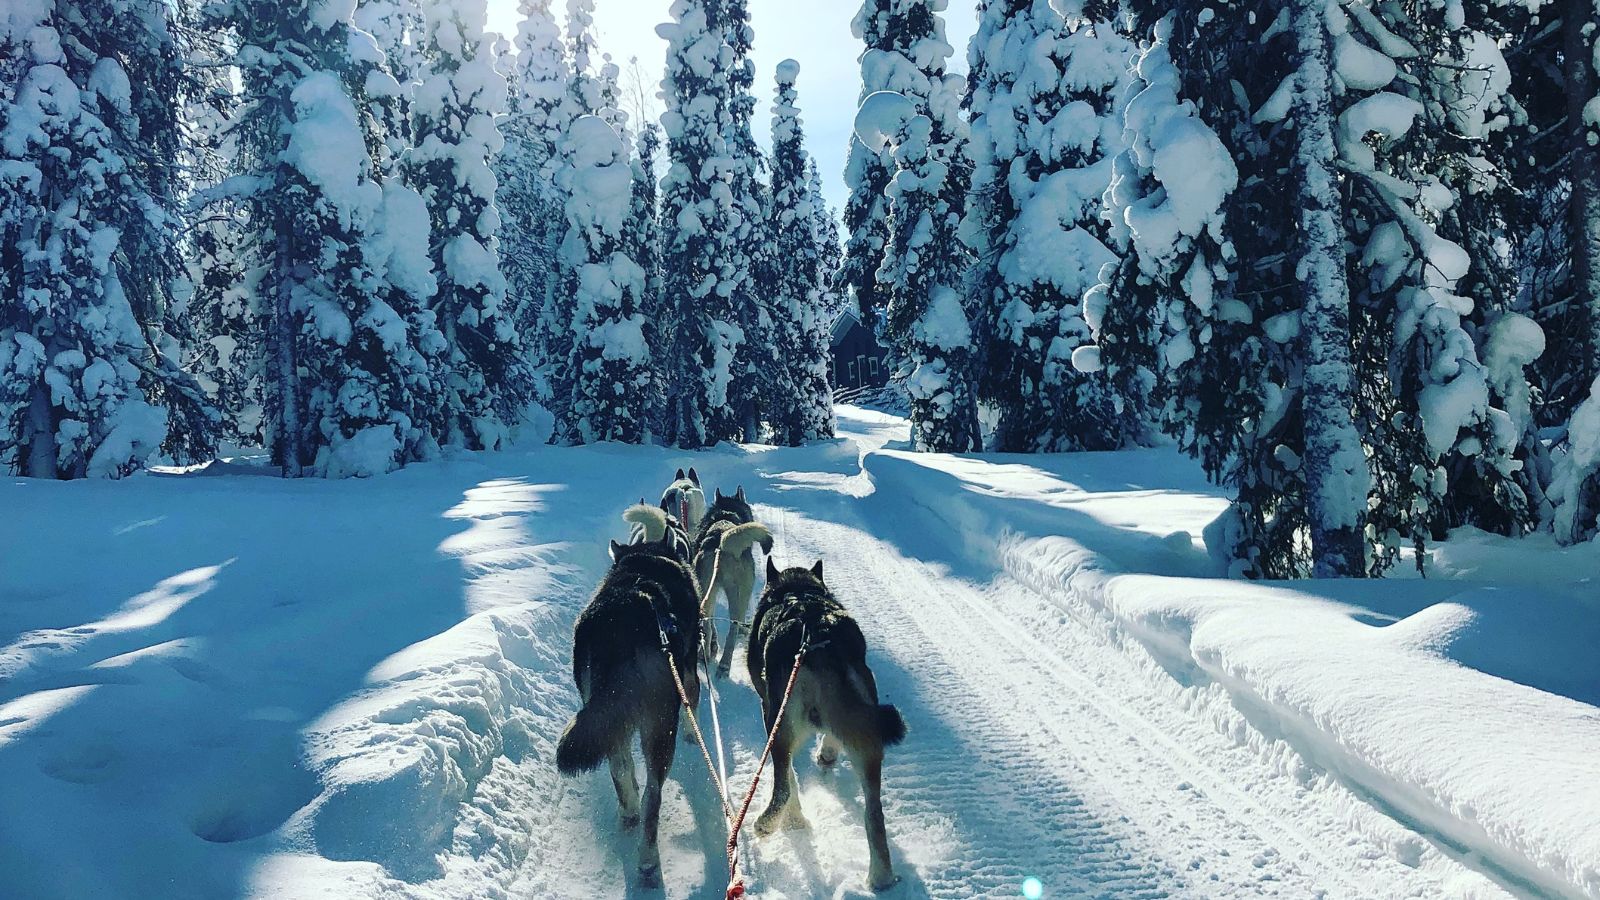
814,32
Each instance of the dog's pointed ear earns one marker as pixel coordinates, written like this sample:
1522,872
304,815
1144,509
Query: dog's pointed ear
615,547
739,494
641,501
719,493
817,570
693,477
772,570
679,476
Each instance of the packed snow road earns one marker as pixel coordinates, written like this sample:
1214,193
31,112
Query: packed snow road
267,688
1043,746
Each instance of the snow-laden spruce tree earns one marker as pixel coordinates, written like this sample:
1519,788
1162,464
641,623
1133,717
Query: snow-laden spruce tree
752,391
1046,125
530,205
395,27
89,377
830,249
1337,479
925,315
1201,315
697,218
338,265
453,121
904,44
610,362
1415,92
803,410
642,243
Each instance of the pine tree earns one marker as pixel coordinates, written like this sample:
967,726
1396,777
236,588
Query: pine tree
925,317
1202,314
455,140
531,207
752,392
642,243
867,172
802,410
610,362
89,376
1337,479
698,224
1046,127
336,263
830,250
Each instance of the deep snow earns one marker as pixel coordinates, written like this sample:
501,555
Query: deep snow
233,685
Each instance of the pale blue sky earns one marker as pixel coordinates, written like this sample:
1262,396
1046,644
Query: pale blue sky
815,32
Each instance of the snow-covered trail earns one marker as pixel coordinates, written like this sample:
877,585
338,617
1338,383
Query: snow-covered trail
1041,744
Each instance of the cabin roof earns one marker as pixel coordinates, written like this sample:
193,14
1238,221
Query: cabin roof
841,327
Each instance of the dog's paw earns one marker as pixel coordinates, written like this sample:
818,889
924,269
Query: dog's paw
723,669
883,881
826,760
650,875
630,821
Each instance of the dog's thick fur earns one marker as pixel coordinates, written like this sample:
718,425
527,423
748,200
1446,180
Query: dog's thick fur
650,525
725,561
834,694
685,499
623,679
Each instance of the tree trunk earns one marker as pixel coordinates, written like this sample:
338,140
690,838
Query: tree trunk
1337,480
289,435
1583,83
41,440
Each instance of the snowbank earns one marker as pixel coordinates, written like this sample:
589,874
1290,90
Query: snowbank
1466,708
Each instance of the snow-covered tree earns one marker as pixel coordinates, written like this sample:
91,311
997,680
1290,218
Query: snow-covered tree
336,265
532,220
610,362
751,391
642,243
89,377
453,116
698,221
1202,313
906,53
803,409
925,316
1046,127
830,249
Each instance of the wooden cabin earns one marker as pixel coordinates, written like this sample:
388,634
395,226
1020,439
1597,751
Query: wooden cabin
859,361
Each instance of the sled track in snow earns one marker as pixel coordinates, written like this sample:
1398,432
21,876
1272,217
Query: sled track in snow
1047,771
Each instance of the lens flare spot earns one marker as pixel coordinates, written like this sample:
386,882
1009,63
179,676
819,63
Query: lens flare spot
1032,888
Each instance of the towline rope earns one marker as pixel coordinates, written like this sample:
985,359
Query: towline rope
736,888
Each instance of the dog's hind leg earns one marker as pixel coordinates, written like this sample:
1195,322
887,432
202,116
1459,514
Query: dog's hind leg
869,762
736,586
784,810
627,784
657,740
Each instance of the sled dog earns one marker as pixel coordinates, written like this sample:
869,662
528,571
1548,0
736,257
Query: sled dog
650,525
684,498
834,694
724,560
624,682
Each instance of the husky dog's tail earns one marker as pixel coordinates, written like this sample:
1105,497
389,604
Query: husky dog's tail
591,736
891,726
648,522
740,538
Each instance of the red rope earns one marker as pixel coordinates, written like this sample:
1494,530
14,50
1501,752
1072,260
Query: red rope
735,883
736,887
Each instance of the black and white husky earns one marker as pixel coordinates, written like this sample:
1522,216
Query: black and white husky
834,695
684,498
725,561
627,688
